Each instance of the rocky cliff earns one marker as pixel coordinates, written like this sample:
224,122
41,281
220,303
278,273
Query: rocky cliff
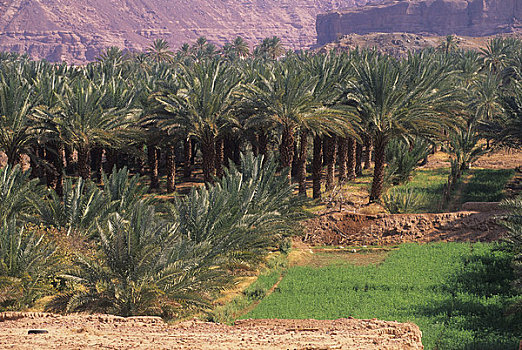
77,30
432,17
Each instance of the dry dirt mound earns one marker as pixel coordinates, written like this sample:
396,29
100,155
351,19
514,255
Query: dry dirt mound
109,332
343,228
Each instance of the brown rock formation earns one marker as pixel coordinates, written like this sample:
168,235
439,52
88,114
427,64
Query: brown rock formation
434,17
76,31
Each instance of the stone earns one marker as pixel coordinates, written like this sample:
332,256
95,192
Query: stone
432,17
78,31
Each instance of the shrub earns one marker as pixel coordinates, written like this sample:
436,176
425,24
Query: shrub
27,261
403,158
399,201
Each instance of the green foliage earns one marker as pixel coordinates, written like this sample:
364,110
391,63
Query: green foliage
403,157
17,193
401,201
247,210
465,148
431,183
144,266
27,261
456,293
513,222
82,206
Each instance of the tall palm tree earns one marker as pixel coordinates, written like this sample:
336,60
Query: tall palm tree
331,71
449,44
202,106
270,48
160,51
84,123
240,47
397,99
282,94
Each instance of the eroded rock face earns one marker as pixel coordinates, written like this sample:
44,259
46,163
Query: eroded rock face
433,17
76,31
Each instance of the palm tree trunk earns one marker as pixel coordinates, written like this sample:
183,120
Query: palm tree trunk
96,162
69,160
35,161
295,160
378,172
110,160
13,157
152,156
358,159
187,156
301,163
329,157
228,150
54,171
208,149
368,152
317,167
84,163
254,142
263,143
351,159
219,157
170,156
342,150
287,150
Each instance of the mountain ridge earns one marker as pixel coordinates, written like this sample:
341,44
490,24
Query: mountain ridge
431,17
77,31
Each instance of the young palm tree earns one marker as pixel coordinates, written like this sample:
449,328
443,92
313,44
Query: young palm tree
18,193
27,259
397,99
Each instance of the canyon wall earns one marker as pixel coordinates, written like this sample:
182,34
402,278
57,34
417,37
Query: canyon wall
77,31
430,17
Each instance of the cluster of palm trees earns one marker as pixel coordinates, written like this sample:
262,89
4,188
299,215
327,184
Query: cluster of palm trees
255,123
124,109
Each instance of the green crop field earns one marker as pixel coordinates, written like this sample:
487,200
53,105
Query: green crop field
457,293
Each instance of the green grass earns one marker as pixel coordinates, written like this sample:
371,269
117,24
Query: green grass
430,183
456,293
486,185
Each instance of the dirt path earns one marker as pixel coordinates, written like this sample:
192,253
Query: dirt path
109,332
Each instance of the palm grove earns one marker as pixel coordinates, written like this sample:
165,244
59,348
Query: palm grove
80,224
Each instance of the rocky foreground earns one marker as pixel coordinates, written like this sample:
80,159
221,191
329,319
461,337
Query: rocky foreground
110,332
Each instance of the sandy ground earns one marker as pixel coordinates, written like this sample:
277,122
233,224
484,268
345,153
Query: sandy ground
110,332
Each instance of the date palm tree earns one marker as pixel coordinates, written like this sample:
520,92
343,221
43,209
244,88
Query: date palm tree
84,122
160,51
202,106
396,99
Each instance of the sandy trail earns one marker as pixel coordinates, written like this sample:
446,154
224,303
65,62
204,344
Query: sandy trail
110,332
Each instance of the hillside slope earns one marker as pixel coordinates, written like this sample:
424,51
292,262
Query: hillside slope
77,30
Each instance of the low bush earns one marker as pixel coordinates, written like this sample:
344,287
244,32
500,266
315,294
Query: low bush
401,201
